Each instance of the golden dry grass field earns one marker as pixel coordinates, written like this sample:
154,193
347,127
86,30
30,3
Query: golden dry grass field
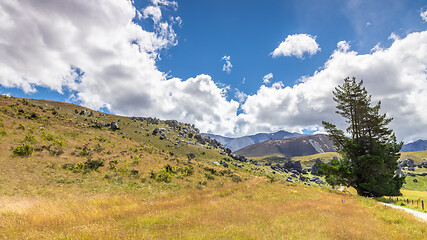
82,182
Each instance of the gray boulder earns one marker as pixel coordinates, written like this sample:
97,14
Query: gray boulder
399,172
316,166
114,126
319,181
223,163
313,179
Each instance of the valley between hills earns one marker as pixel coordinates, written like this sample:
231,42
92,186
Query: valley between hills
69,172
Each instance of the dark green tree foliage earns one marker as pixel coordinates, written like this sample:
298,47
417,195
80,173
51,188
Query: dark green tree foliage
369,151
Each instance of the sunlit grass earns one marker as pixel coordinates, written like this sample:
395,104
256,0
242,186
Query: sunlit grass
252,210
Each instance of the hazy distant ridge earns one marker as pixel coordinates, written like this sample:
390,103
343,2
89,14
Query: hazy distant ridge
238,143
290,147
420,145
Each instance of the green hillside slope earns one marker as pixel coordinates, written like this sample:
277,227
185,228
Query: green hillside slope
63,175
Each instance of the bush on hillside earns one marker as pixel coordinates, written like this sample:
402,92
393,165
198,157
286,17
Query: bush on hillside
164,175
236,178
89,165
30,139
24,150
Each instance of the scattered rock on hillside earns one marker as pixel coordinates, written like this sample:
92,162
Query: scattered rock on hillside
114,126
422,165
158,130
399,172
317,180
223,163
406,163
316,166
415,180
294,167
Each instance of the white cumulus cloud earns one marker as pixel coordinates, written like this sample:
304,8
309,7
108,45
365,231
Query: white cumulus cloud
240,96
227,65
343,46
95,49
396,76
266,79
154,12
297,45
423,15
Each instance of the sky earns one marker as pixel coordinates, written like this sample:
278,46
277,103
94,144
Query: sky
232,68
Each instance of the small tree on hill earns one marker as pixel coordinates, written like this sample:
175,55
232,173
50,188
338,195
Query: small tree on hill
369,152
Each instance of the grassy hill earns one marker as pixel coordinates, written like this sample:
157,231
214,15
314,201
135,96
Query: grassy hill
64,176
418,157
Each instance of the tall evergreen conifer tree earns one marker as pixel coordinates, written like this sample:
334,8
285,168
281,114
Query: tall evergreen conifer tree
369,152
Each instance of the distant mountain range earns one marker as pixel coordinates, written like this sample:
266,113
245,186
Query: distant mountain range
238,143
420,145
289,147
289,144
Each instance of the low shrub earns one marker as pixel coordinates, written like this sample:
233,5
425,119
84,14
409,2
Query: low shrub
94,164
164,175
186,171
98,148
85,151
211,170
24,150
236,178
209,176
56,151
136,160
33,116
30,139
89,165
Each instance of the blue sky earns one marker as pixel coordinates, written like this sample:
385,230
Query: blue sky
166,59
248,31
